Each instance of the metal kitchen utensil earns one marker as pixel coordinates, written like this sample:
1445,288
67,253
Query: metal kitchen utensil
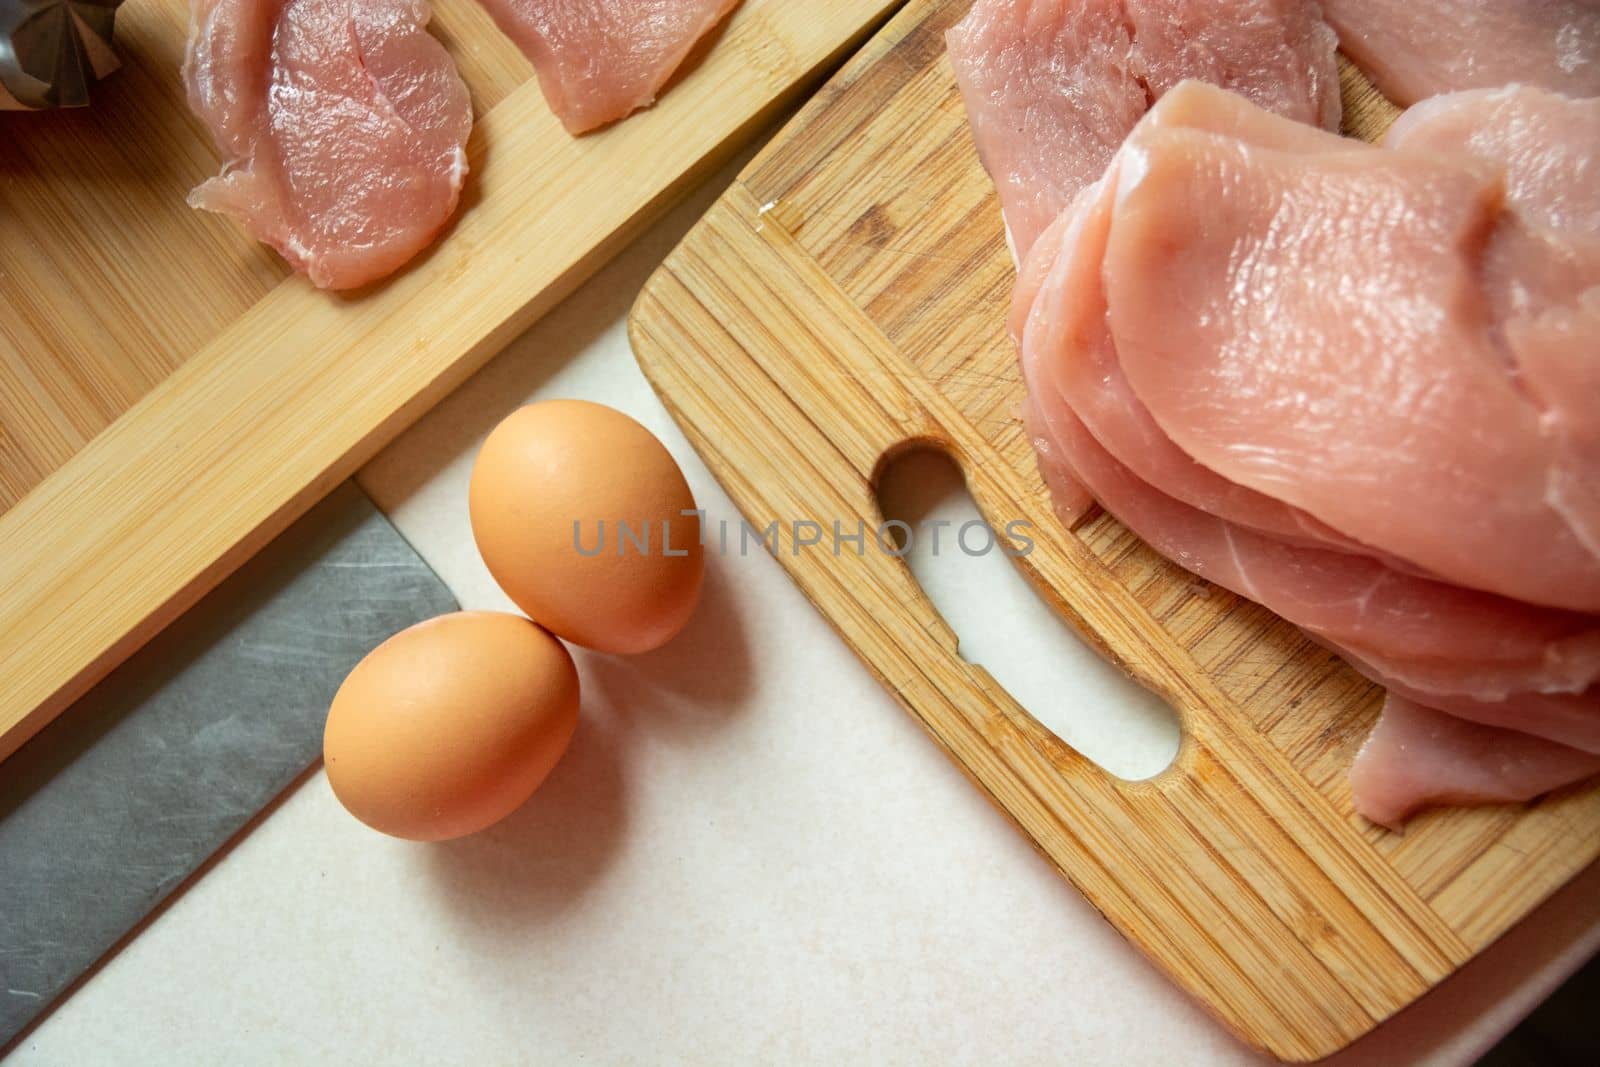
52,51
111,807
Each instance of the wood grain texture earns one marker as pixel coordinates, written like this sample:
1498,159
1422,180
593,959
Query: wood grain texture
170,397
845,301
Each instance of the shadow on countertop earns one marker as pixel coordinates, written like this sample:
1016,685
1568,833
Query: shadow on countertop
690,686
542,859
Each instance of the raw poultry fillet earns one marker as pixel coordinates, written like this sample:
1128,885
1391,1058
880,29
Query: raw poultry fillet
342,124
1417,757
601,60
1415,49
1541,270
1355,384
1266,303
1053,86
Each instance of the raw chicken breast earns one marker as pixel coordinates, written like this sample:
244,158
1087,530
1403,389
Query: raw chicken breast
601,60
1431,637
1542,267
1072,334
1053,86
1569,719
342,124
1189,105
1417,48
1557,359
1050,93
1417,757
1277,54
1115,415
1069,499
1349,383
1281,313
1547,146
1481,658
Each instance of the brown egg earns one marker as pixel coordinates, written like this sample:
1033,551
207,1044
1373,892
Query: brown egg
579,513
450,725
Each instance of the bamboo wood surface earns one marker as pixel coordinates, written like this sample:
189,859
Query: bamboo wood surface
170,397
846,300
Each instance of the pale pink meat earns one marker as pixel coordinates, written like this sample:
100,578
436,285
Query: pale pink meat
1413,322
1053,86
1072,335
1417,757
1067,261
1277,54
1190,105
1418,48
1433,634
1432,637
601,60
1557,357
1050,93
1569,719
342,125
1069,500
1546,144
1482,658
1542,266
1280,313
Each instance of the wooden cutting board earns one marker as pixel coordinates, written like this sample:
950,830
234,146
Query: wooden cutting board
170,397
845,301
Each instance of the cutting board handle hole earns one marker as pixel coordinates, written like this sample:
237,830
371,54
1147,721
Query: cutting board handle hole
1028,649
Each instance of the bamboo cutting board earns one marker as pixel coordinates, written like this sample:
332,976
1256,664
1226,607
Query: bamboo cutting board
170,398
846,300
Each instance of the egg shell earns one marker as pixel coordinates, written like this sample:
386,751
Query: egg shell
450,725
558,463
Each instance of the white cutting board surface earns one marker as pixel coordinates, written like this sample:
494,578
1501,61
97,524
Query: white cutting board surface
750,852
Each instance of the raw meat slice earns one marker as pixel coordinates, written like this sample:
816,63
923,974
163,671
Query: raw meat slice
1189,105
1430,636
1072,336
1082,360
1542,268
1327,593
1266,305
1050,93
1569,719
1068,499
1418,48
601,60
1559,362
342,125
1430,642
1417,757
1053,86
1546,144
1278,54
1069,312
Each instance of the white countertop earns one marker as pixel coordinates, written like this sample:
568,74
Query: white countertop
749,853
